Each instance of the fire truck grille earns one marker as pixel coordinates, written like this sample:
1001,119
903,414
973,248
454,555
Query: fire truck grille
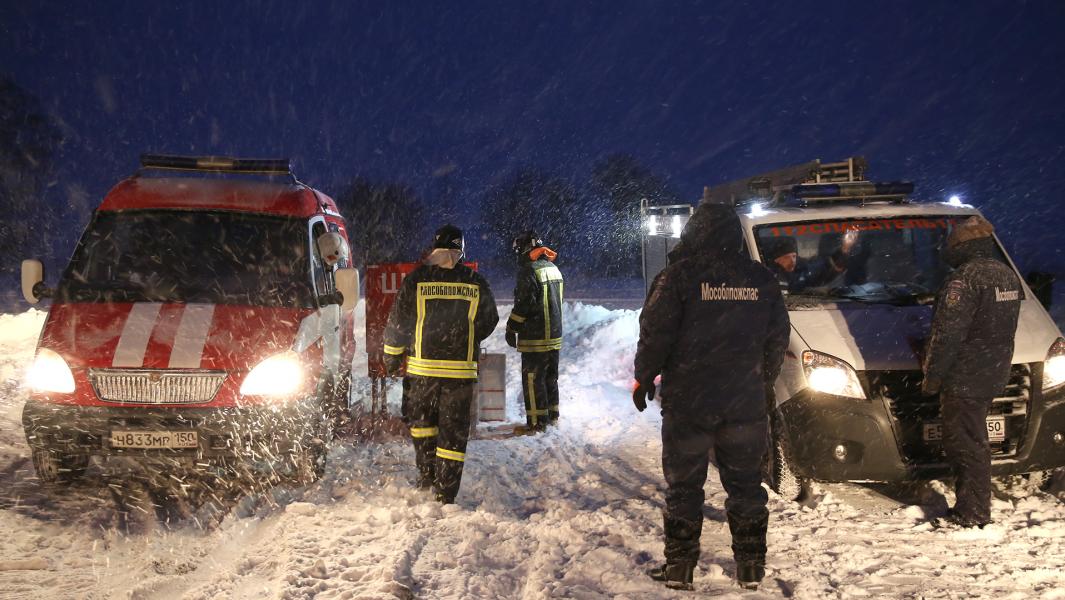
156,386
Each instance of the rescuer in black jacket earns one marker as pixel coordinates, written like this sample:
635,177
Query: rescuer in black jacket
967,361
714,325
535,328
443,311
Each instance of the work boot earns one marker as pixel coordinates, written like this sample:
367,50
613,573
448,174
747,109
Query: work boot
954,520
676,576
749,575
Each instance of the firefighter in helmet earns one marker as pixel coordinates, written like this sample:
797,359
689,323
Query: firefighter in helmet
442,313
535,327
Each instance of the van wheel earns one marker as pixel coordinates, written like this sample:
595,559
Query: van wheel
782,479
1038,481
53,467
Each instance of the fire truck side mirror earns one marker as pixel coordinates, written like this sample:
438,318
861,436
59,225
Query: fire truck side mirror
347,281
33,288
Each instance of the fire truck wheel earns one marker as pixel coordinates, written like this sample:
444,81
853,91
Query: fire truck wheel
53,467
339,414
308,462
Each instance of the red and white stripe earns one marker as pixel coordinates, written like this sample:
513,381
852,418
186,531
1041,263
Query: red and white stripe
150,325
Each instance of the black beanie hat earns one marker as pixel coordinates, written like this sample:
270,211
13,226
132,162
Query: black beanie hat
778,247
449,237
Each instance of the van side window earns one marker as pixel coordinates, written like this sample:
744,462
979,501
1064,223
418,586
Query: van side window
323,276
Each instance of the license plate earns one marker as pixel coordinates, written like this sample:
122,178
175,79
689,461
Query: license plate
996,430
154,439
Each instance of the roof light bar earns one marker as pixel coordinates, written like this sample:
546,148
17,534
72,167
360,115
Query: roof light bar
217,164
857,189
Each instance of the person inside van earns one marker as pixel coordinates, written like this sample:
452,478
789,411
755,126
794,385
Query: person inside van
796,273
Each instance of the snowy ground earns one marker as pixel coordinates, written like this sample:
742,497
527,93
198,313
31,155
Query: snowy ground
573,513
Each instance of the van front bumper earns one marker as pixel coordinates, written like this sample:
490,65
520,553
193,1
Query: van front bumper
831,438
253,432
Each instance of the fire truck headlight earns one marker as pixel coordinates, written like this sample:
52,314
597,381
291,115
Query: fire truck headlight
830,375
652,225
278,375
50,373
1054,367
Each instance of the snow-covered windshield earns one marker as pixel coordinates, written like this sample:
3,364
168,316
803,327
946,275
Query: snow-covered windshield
184,256
893,260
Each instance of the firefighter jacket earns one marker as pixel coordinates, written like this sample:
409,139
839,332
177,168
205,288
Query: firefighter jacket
971,345
714,323
537,314
439,319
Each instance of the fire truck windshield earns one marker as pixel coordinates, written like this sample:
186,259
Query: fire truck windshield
185,256
893,260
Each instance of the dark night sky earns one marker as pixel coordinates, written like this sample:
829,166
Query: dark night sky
962,97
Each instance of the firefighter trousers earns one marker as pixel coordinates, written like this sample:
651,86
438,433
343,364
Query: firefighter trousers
438,414
739,449
539,382
968,453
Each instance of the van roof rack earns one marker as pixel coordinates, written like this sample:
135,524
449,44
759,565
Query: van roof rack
808,183
217,164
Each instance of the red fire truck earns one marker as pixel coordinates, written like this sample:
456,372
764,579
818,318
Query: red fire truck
205,317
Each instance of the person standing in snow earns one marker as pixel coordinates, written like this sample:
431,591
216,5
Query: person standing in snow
967,360
535,328
715,327
443,311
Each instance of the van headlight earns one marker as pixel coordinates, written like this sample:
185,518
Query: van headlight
830,375
50,373
278,375
1054,367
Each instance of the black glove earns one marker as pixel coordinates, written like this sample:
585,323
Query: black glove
393,364
641,394
930,386
512,338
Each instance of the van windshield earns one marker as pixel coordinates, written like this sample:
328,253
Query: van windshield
184,256
891,260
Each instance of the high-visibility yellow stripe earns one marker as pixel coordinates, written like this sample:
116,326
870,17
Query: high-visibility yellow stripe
445,373
394,350
471,344
548,273
517,318
424,432
450,454
531,387
534,349
444,364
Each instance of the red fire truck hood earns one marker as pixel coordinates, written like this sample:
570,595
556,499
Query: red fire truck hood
176,336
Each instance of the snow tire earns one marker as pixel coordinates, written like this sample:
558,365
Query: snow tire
54,468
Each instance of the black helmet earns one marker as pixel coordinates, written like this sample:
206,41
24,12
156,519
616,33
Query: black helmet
449,237
525,242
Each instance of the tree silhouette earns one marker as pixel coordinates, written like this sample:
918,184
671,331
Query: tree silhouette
618,183
532,199
28,141
386,221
